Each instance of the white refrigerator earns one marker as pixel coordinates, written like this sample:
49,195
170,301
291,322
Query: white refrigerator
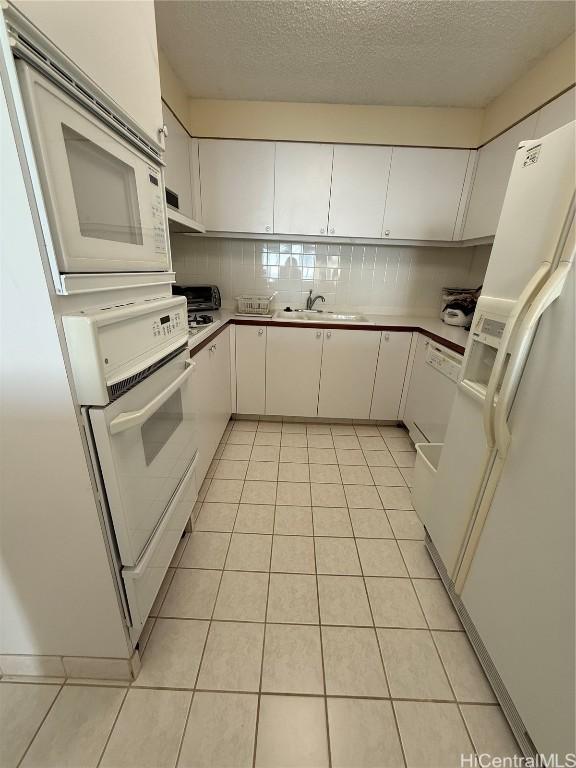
500,516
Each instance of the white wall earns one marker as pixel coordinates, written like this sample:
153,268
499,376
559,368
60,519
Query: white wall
57,595
376,279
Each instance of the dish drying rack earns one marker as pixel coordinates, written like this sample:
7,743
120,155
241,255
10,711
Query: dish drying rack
255,306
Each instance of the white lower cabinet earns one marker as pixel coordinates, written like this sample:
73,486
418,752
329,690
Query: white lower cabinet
390,375
214,398
250,369
330,373
349,361
293,360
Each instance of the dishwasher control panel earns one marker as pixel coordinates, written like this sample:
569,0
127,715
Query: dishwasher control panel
440,361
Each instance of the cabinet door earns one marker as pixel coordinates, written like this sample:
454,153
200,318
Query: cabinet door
237,182
293,357
250,369
491,179
177,171
221,399
203,388
358,193
424,193
348,368
556,114
302,188
214,398
390,375
125,66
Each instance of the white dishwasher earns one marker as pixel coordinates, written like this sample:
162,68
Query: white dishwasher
431,391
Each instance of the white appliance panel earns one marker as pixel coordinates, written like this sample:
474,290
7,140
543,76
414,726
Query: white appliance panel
520,590
145,441
110,344
538,195
463,459
143,581
104,199
431,391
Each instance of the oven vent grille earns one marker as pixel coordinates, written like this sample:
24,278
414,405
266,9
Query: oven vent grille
120,388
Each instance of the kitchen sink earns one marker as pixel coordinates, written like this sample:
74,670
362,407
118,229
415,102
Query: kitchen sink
320,316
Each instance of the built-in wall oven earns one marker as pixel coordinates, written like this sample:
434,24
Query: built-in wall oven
135,381
104,197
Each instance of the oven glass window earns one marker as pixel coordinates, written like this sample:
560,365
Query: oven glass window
161,426
104,190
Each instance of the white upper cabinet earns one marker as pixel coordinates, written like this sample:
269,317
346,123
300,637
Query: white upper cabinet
491,179
556,114
349,360
302,188
177,171
424,193
114,44
358,194
237,180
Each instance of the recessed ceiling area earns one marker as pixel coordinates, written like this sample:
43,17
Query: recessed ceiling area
459,53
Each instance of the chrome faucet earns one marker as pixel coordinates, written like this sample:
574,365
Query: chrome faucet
311,301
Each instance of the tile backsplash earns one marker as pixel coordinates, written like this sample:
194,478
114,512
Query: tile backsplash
379,279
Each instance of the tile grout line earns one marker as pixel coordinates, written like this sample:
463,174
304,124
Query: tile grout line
203,647
431,633
378,641
212,620
120,708
36,732
257,723
321,647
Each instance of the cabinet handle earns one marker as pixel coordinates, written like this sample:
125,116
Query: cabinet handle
163,131
332,231
260,331
329,334
213,348
386,337
386,233
318,334
322,231
268,229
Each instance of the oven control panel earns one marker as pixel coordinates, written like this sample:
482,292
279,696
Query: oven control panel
111,343
167,324
157,207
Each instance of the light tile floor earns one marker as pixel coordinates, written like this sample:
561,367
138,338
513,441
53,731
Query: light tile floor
302,624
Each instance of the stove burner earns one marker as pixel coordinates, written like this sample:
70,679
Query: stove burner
197,322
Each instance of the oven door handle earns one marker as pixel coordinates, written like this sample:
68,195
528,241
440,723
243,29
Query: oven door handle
131,419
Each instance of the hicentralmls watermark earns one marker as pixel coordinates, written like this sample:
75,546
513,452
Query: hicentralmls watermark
486,760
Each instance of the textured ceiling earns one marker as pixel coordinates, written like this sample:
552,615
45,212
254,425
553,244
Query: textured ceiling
427,53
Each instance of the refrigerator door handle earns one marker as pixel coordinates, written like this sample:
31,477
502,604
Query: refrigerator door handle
523,301
551,290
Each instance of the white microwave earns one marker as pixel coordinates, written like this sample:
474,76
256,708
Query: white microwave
105,199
